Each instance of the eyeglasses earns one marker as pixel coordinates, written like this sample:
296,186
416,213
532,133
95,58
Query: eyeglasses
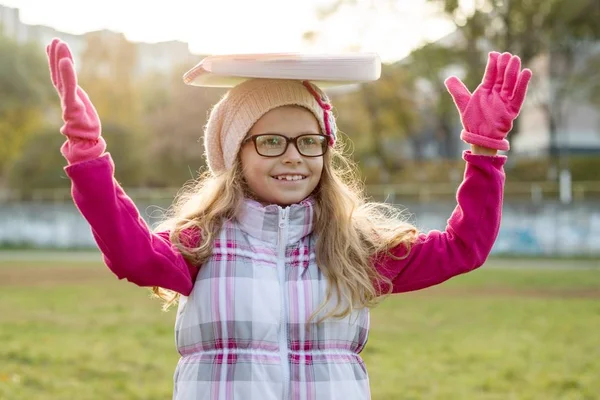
274,145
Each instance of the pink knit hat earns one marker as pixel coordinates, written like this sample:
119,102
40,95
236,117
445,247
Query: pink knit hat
235,114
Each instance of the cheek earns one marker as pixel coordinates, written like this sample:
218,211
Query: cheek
254,167
250,174
248,163
317,167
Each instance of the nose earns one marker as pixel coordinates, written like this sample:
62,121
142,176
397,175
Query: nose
291,155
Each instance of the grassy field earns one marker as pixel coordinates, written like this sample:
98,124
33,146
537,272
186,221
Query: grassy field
512,330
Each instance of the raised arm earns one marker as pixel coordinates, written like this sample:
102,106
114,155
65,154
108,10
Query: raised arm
469,236
129,248
487,116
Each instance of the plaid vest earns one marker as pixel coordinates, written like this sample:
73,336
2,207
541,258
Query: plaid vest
244,332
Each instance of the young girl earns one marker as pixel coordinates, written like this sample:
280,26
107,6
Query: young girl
275,254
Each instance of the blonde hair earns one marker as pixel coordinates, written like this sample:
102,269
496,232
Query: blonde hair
362,229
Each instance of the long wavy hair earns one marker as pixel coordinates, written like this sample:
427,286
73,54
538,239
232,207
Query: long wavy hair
351,230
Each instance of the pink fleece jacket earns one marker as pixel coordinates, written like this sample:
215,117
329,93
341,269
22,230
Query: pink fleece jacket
148,259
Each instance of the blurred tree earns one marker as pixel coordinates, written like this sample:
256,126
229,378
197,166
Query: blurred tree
175,115
390,110
572,72
422,108
25,89
375,114
108,75
593,67
430,65
530,28
527,28
40,164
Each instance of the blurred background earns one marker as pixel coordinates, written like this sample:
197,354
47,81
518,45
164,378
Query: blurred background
404,131
404,128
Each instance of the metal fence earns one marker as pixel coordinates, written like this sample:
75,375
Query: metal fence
545,227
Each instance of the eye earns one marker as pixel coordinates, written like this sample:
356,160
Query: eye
270,141
311,141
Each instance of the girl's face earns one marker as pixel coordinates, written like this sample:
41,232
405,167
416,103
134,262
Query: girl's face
290,177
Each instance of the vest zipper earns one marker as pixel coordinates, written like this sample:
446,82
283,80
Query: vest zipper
283,336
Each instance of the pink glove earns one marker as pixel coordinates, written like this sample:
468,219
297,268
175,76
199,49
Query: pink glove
82,125
487,115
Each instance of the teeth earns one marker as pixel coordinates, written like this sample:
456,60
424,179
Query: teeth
289,177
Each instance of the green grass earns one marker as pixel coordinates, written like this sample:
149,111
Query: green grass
70,330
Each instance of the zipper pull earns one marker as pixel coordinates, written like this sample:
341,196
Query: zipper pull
282,217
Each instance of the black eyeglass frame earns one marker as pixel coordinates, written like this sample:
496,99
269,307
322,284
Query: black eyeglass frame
288,140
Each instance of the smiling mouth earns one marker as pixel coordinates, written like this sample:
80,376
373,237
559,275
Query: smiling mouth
289,177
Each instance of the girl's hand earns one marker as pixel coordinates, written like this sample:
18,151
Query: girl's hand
487,115
82,124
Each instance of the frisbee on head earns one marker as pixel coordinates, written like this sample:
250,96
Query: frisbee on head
324,70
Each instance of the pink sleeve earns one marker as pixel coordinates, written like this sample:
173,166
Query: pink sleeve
469,236
128,246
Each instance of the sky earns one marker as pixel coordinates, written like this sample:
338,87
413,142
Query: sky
244,26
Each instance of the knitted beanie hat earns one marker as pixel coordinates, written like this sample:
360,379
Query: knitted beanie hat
235,114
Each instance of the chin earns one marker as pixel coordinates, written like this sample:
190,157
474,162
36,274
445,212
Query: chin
287,200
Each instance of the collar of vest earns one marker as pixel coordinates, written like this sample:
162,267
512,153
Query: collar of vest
263,222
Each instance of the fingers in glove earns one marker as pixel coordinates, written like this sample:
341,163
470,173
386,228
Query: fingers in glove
510,77
459,92
490,70
51,52
69,84
67,74
58,50
503,60
521,89
64,51
90,110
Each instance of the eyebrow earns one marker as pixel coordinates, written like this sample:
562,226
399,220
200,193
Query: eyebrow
283,134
